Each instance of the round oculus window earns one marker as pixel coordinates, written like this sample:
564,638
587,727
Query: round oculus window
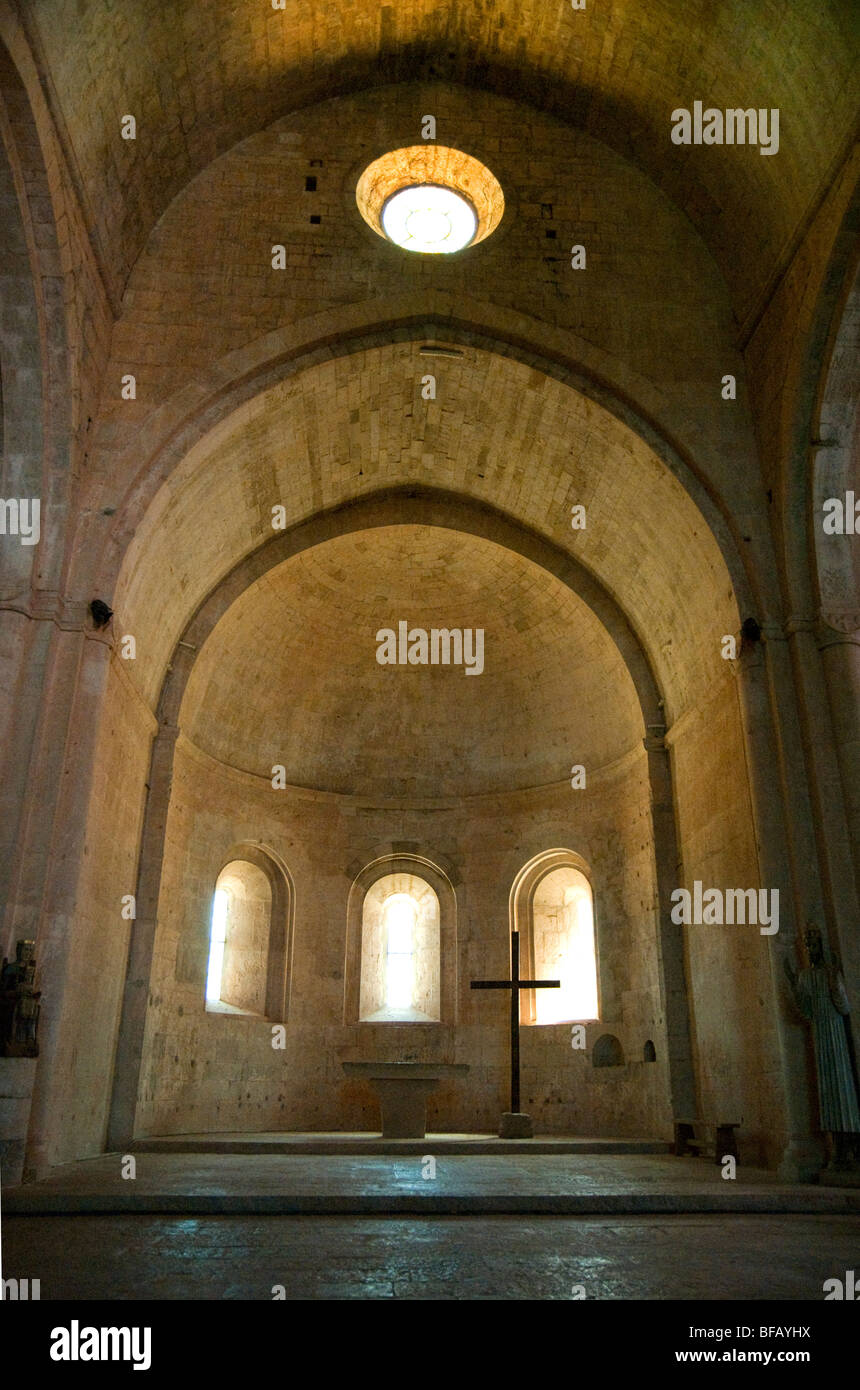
429,218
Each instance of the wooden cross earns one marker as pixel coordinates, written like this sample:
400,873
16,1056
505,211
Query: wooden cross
515,984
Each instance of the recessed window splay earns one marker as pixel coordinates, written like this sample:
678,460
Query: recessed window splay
430,199
400,951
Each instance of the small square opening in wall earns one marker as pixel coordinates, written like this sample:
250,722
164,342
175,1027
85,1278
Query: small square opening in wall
310,184
316,219
550,235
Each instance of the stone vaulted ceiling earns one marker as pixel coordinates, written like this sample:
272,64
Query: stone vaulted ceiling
201,76
521,443
289,676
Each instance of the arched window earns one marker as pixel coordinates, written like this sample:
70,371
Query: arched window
401,940
249,939
552,907
400,974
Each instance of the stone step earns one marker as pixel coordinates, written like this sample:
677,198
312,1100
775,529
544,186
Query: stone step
30,1201
375,1144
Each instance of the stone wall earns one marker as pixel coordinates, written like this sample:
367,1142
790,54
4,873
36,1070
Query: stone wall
203,1071
98,932
735,1052
649,314
653,323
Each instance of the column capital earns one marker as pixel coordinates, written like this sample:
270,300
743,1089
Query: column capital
796,623
655,739
828,628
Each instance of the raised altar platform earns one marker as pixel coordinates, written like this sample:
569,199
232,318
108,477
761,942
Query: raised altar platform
344,1142
493,1183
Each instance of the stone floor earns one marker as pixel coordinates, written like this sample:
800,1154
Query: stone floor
232,1226
357,1184
466,1257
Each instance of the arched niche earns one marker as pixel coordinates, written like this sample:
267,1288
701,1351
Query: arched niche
607,1052
429,886
552,907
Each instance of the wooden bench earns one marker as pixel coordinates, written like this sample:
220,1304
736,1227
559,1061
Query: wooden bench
723,1131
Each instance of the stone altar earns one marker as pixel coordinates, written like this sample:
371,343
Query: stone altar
403,1088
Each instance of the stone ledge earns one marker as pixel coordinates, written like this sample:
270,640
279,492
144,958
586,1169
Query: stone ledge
28,1201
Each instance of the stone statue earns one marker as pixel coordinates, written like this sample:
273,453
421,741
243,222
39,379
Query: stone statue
19,1003
819,991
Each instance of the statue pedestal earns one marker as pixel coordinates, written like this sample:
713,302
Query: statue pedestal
17,1075
802,1160
516,1125
403,1088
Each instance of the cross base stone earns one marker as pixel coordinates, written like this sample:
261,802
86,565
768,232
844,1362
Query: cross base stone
516,1125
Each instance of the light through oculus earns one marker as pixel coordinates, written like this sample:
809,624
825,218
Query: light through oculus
429,218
